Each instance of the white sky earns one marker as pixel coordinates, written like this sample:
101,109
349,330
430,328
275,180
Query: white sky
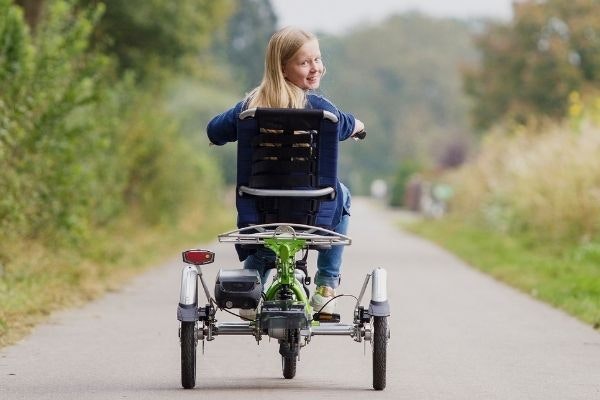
338,16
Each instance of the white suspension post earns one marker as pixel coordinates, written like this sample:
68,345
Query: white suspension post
189,285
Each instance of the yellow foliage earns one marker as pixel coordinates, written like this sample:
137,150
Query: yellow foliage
547,185
575,105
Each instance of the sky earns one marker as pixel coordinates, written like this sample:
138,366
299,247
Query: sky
339,16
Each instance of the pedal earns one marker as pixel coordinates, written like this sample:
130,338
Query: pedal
326,318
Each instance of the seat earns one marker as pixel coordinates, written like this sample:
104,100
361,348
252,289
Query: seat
287,167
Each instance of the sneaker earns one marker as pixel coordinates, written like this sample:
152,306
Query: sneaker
320,300
249,314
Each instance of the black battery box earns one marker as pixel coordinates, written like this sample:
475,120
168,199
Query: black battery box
238,288
283,314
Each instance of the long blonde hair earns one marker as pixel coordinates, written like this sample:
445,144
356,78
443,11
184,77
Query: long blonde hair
275,91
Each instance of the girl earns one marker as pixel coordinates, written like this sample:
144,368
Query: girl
293,69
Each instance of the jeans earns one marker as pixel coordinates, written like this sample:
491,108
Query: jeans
329,262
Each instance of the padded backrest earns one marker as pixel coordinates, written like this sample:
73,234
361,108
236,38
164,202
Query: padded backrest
285,149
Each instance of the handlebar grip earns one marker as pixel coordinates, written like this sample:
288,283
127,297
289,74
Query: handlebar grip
361,135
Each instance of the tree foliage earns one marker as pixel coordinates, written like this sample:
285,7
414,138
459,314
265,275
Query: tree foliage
530,66
149,34
57,124
79,145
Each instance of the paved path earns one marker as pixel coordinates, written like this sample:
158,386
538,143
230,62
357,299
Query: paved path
456,334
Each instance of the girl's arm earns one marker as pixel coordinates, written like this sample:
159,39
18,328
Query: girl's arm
348,125
223,128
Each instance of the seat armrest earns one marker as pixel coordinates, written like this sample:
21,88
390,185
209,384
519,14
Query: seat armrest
328,191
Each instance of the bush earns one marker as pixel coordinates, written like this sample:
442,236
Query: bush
78,144
166,173
59,109
545,185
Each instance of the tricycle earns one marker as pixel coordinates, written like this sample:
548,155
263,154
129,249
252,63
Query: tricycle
281,309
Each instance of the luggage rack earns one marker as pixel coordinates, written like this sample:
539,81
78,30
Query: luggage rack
256,234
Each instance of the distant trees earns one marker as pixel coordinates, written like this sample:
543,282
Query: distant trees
243,42
401,77
530,66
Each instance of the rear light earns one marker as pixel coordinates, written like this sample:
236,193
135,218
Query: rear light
198,257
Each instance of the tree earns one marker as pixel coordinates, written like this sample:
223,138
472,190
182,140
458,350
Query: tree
531,65
149,34
401,78
33,11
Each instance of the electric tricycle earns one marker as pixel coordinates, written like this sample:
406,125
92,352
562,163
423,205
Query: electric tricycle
286,193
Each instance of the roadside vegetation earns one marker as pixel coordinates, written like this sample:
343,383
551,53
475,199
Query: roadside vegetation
104,166
565,276
526,206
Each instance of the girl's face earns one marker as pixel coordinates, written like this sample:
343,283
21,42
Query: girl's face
305,68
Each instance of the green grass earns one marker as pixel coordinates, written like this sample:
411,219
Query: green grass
566,276
36,279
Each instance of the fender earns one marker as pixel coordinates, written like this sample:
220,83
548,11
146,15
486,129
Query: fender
187,309
379,306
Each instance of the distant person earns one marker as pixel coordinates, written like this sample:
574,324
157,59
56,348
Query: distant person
293,70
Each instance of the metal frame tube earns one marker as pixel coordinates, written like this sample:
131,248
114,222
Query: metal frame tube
244,328
233,328
333,330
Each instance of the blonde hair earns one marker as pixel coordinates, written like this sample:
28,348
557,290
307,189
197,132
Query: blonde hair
275,91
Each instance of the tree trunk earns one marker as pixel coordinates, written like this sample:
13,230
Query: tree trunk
33,11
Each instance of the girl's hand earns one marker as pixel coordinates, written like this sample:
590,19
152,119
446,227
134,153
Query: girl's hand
359,131
358,126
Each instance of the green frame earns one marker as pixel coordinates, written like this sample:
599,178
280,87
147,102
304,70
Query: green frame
285,250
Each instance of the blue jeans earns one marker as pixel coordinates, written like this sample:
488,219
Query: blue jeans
329,262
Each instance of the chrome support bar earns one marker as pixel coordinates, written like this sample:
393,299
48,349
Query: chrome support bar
206,291
244,328
333,330
362,291
233,328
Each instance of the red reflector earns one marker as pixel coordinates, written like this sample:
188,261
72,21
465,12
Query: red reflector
198,257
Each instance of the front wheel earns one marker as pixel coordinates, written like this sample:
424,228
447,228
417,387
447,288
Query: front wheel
288,365
289,356
379,341
188,354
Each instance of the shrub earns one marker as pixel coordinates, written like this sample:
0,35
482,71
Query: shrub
59,112
546,185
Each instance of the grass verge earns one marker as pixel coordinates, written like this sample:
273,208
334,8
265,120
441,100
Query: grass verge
37,280
566,276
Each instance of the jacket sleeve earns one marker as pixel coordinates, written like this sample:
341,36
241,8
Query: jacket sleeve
346,121
223,128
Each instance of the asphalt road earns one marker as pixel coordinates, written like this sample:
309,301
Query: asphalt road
456,334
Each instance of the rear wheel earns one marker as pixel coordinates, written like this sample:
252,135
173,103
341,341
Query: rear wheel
379,341
188,354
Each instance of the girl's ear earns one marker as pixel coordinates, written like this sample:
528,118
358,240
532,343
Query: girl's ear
283,70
